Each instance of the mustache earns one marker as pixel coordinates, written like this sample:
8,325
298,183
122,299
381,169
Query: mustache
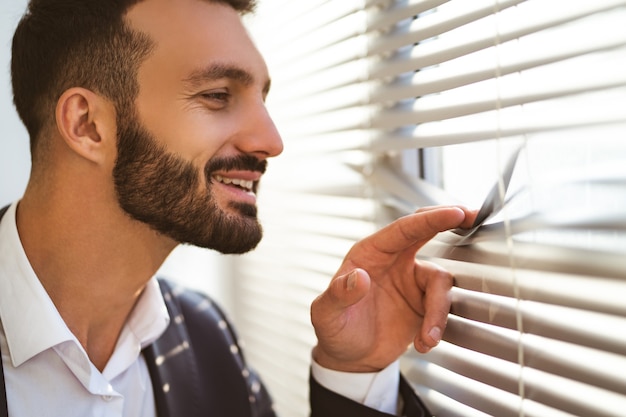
241,162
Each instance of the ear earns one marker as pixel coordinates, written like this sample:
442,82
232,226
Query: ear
86,122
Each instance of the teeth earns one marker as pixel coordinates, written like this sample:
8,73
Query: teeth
235,181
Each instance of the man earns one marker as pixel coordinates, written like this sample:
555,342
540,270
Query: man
148,129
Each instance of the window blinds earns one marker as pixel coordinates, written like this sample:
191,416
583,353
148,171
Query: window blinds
538,323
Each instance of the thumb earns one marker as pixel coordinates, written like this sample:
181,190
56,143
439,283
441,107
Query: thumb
342,292
347,290
331,318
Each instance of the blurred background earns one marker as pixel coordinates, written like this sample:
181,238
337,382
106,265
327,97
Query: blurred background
14,151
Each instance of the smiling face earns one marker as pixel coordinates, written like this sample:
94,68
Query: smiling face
192,151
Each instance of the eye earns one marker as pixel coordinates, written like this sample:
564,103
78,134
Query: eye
221,96
218,99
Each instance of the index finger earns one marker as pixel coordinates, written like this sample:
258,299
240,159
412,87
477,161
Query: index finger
418,227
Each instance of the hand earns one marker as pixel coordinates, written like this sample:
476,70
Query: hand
382,298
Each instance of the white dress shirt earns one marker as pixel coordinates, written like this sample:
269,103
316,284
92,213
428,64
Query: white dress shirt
378,390
48,373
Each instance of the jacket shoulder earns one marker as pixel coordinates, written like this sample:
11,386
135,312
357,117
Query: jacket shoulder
216,350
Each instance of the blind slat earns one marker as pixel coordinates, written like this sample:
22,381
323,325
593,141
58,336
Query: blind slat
482,397
512,23
425,136
592,367
583,328
448,17
513,122
465,40
513,90
321,52
549,393
567,288
402,10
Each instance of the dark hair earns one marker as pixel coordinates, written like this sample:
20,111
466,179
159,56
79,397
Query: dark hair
60,44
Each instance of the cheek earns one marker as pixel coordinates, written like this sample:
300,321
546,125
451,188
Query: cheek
188,130
202,136
190,136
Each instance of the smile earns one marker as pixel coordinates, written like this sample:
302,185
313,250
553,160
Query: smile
245,184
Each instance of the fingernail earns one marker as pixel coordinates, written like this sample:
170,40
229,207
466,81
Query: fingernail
435,334
352,280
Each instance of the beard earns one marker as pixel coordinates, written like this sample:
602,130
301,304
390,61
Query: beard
165,192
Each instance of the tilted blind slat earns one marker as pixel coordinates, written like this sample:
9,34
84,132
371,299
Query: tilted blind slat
580,327
481,126
482,397
470,39
549,393
514,89
399,11
448,17
593,367
365,44
337,206
300,18
560,289
438,134
432,53
324,35
447,406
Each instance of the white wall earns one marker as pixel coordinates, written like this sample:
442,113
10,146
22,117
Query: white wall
14,151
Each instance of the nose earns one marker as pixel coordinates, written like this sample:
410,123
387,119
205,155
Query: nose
260,136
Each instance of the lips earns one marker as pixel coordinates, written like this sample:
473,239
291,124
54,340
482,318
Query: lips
241,172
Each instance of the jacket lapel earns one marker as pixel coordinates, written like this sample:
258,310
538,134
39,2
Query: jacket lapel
172,366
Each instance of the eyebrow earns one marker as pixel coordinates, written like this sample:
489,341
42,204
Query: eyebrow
222,71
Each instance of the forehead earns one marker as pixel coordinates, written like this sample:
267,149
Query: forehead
190,35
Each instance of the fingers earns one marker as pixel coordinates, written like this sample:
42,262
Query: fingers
437,300
470,214
418,227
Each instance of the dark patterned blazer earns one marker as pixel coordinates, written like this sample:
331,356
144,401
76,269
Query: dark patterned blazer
198,370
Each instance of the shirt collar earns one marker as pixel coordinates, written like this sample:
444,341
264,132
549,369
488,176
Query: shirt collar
32,323
147,321
149,317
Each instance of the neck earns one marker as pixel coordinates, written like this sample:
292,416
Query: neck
92,259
